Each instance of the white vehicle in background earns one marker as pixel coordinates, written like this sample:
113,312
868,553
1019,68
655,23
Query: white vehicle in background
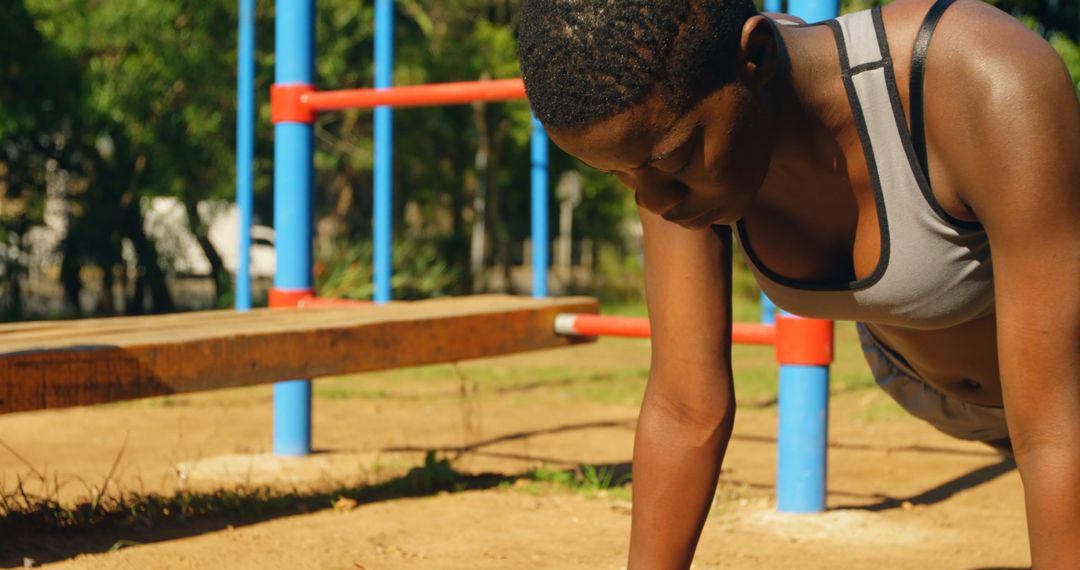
166,222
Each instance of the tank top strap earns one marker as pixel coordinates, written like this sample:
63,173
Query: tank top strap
858,43
867,73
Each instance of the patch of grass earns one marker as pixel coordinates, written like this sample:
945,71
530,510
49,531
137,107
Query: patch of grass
588,480
348,392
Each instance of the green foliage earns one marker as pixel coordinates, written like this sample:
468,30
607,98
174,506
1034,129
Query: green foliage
343,270
142,100
132,99
35,102
620,273
1069,51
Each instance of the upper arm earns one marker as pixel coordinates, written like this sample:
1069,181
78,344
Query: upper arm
1022,181
688,291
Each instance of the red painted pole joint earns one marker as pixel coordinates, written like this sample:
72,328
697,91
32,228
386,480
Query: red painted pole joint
288,298
306,299
804,341
288,103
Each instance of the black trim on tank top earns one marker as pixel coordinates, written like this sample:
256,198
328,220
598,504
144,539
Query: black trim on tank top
868,66
919,51
846,72
906,137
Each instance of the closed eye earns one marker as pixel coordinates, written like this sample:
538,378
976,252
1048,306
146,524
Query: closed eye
687,150
678,171
690,152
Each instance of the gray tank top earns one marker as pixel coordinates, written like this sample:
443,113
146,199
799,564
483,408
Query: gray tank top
934,270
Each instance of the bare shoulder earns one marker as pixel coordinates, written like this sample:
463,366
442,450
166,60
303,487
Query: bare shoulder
999,58
993,89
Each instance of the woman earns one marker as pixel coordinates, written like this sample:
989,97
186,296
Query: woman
946,224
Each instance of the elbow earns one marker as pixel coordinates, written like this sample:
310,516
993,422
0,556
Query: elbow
698,421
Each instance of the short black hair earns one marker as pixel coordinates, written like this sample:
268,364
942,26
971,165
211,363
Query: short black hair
585,60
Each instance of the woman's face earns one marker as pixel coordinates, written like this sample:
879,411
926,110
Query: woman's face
699,168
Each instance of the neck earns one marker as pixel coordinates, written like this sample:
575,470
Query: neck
813,122
813,118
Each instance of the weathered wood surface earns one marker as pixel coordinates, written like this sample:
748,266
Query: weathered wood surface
75,363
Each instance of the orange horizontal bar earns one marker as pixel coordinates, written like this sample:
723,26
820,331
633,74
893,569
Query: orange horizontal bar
753,333
416,95
602,325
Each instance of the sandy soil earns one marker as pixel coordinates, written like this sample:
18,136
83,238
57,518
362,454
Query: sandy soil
900,494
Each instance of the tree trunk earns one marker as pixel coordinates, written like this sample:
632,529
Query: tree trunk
478,242
108,281
137,304
146,252
220,276
71,272
12,271
496,221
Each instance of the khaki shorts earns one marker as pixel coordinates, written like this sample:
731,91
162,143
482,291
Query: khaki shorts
957,418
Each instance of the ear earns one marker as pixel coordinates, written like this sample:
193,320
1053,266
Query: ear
759,49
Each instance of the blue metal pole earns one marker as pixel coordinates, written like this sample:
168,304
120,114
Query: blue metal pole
384,153
802,438
814,10
245,149
768,310
295,42
539,150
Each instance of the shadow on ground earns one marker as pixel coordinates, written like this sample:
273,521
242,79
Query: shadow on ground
941,492
46,532
42,531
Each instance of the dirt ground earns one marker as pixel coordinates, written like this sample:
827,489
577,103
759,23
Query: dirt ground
901,495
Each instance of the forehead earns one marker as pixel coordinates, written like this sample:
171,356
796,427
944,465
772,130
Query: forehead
625,139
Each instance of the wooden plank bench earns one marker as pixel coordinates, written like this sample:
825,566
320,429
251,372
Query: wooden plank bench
75,363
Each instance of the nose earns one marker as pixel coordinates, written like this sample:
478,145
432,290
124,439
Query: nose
658,195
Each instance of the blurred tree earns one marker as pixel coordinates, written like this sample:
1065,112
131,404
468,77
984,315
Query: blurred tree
36,82
155,118
466,168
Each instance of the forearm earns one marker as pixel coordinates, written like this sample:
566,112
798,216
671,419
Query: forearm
1040,364
676,464
1051,475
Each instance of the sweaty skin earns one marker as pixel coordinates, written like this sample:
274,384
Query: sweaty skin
778,148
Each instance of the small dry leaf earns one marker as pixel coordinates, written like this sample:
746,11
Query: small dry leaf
345,504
